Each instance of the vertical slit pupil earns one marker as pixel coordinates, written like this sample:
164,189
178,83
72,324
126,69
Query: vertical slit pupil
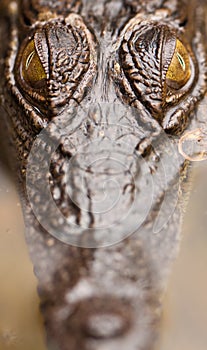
181,61
29,59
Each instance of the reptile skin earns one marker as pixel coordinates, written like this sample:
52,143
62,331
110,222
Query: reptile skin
92,111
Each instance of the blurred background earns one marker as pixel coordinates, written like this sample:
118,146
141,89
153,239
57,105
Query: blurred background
21,326
184,323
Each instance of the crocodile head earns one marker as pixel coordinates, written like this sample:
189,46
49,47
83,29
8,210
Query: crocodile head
96,96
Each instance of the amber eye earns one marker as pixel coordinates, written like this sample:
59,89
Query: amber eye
179,70
32,70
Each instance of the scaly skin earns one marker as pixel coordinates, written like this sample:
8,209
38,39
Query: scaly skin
96,117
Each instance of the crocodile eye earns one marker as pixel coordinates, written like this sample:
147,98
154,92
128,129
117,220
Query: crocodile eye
31,68
179,71
156,68
57,65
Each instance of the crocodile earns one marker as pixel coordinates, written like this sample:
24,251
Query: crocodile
95,98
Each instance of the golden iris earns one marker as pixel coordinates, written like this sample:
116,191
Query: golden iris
179,70
31,67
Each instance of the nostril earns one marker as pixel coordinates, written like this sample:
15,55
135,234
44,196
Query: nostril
101,318
105,325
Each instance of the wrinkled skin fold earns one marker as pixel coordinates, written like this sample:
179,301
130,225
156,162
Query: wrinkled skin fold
94,99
